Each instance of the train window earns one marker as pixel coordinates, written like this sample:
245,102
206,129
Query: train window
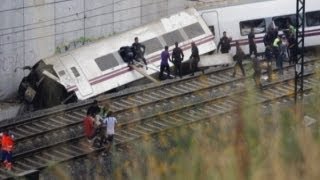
61,73
193,30
106,62
212,30
75,72
172,37
313,18
259,26
152,45
282,21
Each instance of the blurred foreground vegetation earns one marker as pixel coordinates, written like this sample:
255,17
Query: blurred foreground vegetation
274,141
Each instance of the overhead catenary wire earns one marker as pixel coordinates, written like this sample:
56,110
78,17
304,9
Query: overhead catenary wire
80,29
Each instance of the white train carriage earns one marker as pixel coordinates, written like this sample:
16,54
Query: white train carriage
237,21
98,67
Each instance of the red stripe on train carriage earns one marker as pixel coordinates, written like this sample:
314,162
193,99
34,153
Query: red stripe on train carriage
152,59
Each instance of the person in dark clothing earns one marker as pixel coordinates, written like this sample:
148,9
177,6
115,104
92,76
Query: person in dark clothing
139,50
194,58
252,43
94,109
282,56
238,58
177,58
268,56
268,53
126,52
267,39
292,48
274,34
257,72
164,66
224,43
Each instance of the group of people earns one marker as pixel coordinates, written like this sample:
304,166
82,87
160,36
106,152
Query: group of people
99,125
177,58
136,53
277,48
280,47
6,145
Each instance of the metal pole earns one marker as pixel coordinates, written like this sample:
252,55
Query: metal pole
299,64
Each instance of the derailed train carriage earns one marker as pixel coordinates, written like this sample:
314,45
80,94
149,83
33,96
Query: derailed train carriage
96,68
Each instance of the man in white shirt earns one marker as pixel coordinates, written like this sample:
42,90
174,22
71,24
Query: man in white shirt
110,122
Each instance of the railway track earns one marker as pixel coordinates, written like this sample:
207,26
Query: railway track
58,138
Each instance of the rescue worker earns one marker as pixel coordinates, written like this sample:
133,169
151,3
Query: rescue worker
275,49
282,56
139,50
238,58
194,58
103,111
177,58
7,146
252,43
224,43
110,122
292,48
164,66
291,28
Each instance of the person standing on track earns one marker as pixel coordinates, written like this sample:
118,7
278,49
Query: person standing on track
7,145
268,56
292,48
110,122
89,126
177,58
252,43
194,58
238,58
257,72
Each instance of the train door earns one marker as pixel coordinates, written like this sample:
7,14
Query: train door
212,20
76,73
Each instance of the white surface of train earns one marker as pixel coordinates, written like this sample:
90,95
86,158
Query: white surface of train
96,68
237,21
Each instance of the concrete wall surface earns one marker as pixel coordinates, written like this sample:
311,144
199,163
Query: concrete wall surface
34,29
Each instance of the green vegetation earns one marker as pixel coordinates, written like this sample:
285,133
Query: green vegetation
81,40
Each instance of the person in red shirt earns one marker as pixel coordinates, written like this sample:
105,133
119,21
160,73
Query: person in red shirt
7,146
89,127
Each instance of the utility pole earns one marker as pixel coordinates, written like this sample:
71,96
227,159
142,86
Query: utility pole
299,64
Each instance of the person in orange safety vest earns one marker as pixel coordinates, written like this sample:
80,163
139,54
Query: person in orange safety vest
7,145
